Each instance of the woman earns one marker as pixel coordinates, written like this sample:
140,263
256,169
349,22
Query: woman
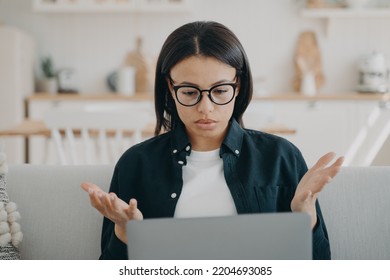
207,164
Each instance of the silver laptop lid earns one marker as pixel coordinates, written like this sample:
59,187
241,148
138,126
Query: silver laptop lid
269,236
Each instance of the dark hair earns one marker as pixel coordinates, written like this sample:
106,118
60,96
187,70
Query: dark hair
205,38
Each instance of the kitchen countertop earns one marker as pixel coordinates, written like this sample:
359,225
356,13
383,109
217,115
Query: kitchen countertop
341,96
87,97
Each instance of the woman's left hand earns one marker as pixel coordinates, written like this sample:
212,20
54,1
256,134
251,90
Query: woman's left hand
312,183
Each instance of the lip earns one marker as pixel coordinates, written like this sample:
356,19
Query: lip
205,124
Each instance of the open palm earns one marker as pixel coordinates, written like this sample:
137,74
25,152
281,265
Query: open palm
313,182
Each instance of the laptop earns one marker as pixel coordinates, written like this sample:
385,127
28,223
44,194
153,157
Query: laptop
266,236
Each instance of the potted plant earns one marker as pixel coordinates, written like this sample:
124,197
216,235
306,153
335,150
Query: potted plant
49,82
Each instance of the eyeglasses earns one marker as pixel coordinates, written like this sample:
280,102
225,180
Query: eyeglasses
220,94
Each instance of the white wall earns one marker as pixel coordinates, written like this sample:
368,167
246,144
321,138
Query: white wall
95,44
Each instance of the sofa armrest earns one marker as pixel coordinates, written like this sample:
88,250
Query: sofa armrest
58,221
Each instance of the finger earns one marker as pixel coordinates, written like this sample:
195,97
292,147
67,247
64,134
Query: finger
106,201
86,186
133,205
339,161
112,203
94,197
335,168
133,208
113,198
324,160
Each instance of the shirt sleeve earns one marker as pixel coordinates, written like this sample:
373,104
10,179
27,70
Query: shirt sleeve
321,247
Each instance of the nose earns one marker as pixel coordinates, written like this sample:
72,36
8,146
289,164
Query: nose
205,105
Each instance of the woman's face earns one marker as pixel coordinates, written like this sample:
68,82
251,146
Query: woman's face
206,122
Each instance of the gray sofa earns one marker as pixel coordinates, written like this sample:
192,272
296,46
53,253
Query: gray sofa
58,222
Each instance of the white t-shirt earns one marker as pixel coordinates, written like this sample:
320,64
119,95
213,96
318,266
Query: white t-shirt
205,192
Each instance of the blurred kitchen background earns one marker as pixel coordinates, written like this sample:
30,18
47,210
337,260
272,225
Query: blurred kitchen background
320,67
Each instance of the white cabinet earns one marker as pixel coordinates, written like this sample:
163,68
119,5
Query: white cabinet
320,126
356,129
371,134
41,149
16,82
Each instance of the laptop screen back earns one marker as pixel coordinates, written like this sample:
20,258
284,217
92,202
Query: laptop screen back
270,236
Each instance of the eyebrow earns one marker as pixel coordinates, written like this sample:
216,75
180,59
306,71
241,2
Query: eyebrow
196,85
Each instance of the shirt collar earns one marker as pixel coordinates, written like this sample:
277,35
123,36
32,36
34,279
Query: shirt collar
233,140
180,141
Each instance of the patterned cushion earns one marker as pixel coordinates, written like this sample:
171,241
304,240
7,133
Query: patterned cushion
10,234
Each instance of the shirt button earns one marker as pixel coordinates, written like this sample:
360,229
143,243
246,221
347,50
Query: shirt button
173,195
237,152
174,151
180,162
188,148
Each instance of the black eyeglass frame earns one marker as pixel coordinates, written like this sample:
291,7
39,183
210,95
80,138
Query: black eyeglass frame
176,88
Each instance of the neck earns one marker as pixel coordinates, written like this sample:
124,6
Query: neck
206,144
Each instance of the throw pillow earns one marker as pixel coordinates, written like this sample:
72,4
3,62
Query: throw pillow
10,233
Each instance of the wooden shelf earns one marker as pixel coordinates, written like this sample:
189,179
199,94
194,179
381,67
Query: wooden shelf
112,6
149,97
89,97
345,13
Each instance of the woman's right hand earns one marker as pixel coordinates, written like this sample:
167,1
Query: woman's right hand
113,208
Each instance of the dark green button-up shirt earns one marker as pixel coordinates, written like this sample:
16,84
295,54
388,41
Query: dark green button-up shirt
261,170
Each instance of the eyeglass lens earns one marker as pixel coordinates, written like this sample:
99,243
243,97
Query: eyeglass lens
220,94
